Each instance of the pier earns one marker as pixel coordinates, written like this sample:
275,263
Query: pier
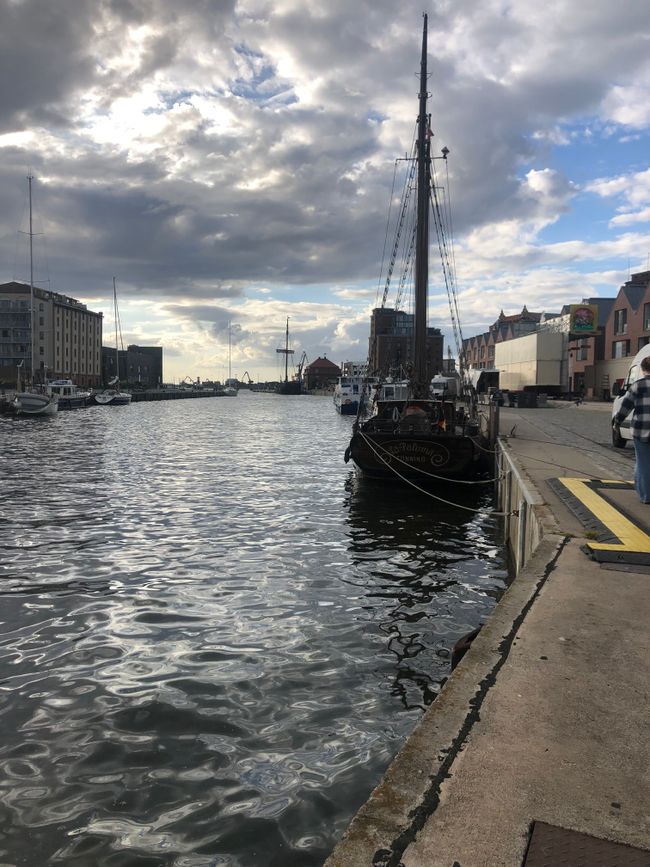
537,744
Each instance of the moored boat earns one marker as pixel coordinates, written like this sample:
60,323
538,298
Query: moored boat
70,395
352,391
32,402
113,395
288,386
411,435
35,403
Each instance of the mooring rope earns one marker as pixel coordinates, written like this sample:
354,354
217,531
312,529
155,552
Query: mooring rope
428,493
372,443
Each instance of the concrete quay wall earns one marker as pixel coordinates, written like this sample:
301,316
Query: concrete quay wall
544,719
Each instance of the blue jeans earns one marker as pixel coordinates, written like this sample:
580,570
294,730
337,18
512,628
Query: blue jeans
642,469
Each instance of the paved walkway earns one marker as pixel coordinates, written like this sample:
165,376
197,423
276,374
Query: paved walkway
546,718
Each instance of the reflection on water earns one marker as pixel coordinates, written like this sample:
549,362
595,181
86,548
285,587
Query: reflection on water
213,636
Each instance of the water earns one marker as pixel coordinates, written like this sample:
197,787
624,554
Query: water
213,637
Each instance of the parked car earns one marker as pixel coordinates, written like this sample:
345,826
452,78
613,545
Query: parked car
621,434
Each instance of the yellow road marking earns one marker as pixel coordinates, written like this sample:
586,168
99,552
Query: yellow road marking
632,538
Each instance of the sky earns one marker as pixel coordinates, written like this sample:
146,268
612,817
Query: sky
231,162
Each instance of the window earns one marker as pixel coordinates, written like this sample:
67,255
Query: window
620,323
646,317
620,348
643,341
582,352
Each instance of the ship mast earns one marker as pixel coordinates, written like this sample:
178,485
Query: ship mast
30,178
286,352
117,345
420,382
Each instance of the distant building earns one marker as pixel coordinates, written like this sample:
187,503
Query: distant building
479,350
67,336
138,365
321,373
391,344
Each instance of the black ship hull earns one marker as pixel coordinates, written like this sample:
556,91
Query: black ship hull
289,388
426,459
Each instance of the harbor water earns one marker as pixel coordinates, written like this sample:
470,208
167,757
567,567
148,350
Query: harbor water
214,637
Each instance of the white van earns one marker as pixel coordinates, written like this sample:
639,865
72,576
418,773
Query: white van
621,435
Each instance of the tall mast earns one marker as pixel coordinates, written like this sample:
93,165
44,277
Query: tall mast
229,352
117,349
420,376
286,352
31,280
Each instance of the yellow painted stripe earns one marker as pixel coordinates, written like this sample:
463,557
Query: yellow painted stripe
632,538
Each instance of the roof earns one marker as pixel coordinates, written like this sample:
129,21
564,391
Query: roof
323,363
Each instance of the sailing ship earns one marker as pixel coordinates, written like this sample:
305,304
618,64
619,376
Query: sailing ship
31,401
113,395
230,388
287,386
410,435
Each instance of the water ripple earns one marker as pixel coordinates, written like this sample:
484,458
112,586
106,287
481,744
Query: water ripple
214,638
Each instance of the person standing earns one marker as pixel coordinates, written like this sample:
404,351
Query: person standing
637,402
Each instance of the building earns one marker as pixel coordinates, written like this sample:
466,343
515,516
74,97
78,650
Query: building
138,365
67,337
480,350
391,344
321,373
626,331
586,355
354,368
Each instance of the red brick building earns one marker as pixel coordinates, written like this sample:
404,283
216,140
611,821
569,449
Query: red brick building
321,373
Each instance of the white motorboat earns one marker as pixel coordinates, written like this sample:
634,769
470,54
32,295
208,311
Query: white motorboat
350,391
35,403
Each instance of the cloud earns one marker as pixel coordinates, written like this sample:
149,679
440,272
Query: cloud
235,159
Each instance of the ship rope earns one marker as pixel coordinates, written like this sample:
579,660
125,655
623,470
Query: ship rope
429,493
404,214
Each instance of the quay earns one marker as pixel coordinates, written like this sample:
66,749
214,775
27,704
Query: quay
537,750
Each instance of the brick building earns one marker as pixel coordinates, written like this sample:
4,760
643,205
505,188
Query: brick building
391,344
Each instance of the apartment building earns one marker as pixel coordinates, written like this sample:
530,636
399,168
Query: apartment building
391,343
62,335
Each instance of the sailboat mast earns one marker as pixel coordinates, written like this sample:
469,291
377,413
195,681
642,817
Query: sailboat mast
117,348
420,374
31,279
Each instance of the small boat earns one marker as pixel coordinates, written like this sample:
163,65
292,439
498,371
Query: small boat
352,391
113,395
70,395
412,436
35,403
288,386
